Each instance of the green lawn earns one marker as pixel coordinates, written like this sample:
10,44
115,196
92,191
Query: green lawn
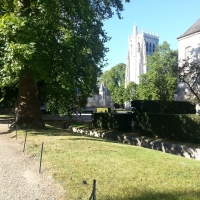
122,171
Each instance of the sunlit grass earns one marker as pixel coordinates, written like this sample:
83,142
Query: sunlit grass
8,116
121,171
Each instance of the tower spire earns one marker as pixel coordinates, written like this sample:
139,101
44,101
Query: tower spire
135,31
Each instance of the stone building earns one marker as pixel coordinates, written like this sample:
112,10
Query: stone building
188,49
103,99
139,46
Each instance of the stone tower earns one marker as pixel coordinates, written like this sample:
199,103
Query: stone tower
139,46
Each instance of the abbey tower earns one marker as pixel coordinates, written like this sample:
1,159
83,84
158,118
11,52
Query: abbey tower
139,46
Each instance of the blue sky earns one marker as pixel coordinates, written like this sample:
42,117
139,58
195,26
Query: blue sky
169,18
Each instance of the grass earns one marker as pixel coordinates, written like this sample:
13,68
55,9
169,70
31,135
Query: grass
8,116
122,172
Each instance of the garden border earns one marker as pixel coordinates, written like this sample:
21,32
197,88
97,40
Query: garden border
155,144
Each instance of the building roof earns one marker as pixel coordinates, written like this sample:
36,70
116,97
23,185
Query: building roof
193,29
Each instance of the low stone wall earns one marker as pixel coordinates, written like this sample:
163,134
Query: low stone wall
176,149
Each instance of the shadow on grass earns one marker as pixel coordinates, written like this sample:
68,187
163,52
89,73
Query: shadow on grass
85,138
153,195
53,131
48,131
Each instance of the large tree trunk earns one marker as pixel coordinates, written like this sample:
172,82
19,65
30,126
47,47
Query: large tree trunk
27,107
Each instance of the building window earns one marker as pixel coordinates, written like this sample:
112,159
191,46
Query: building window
153,47
131,49
138,47
147,47
187,52
150,47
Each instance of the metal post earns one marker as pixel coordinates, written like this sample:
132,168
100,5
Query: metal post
41,157
93,194
25,142
94,189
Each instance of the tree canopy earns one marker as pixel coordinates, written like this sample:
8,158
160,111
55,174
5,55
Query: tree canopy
160,82
57,42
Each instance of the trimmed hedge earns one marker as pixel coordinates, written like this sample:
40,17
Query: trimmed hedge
168,107
184,128
180,127
112,121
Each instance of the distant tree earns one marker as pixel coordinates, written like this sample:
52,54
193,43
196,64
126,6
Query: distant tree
114,79
131,92
189,74
160,82
58,42
118,95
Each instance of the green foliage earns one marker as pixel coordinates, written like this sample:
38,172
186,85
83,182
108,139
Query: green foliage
118,94
60,42
160,82
131,92
112,121
115,78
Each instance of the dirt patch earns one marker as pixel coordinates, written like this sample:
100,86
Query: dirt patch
19,175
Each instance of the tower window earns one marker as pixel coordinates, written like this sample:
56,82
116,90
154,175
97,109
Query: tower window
131,49
138,47
147,49
150,47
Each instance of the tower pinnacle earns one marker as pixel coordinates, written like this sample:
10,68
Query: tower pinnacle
135,31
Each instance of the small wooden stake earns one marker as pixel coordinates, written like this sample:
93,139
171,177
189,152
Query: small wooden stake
94,189
16,132
25,141
41,157
93,194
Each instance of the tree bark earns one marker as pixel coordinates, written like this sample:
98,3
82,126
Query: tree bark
27,107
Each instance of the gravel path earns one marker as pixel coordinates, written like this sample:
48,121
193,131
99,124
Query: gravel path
19,177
